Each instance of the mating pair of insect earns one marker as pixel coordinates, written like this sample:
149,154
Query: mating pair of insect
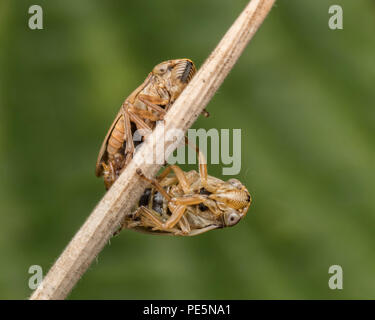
177,202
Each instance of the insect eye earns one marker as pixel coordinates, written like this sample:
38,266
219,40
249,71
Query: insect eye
235,183
160,69
232,219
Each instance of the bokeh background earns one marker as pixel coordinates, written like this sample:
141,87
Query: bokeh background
301,93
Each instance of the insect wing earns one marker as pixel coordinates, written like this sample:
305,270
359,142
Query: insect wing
103,149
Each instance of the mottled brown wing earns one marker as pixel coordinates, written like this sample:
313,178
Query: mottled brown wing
102,156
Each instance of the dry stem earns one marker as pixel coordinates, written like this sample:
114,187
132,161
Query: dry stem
118,201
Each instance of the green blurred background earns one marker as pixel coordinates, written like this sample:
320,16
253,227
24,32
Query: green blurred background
301,93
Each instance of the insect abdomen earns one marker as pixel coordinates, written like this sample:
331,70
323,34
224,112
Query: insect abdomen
154,200
116,139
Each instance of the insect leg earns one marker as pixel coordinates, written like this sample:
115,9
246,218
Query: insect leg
153,102
128,117
190,200
165,180
177,213
164,174
143,217
202,164
138,121
184,225
129,149
150,219
156,184
180,175
145,114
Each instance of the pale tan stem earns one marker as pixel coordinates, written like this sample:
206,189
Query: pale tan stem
119,200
